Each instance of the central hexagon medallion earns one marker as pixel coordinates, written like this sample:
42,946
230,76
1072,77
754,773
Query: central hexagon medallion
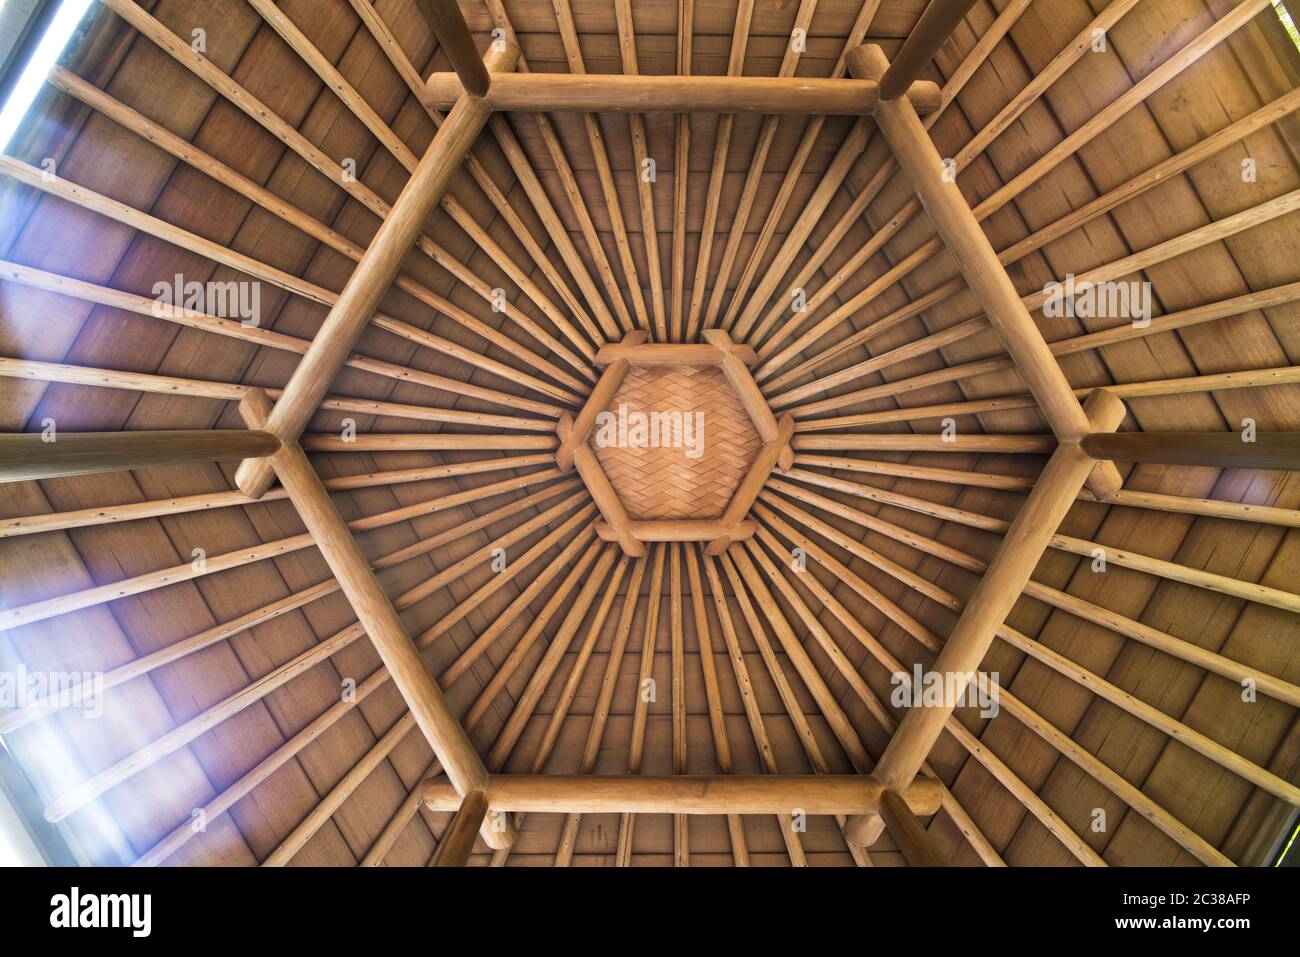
675,442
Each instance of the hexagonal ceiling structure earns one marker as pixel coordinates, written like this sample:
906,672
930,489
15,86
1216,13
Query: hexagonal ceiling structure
675,442
454,287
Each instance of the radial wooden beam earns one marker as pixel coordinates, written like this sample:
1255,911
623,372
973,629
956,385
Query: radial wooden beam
641,705
758,617
424,441
396,146
753,714
568,182
33,455
938,21
717,172
1135,95
449,26
681,174
318,727
713,697
984,273
229,177
277,126
907,832
794,170
754,176
644,184
604,698
356,305
1266,450
878,177
687,794
458,840
414,80
208,501
576,610
999,589
560,712
604,169
376,613
398,823
619,93
1172,571
179,649
1094,683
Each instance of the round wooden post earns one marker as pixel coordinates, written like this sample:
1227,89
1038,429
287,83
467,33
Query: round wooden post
912,839
931,31
1004,580
458,840
449,26
1267,450
31,455
432,713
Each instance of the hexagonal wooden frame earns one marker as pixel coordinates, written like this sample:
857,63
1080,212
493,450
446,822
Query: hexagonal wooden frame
734,361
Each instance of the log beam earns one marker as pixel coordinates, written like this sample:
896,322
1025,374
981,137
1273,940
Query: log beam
674,354
912,839
375,612
747,391
607,500
373,275
575,432
1265,450
621,93
1003,582
449,26
934,28
687,794
770,455
984,273
458,840
680,530
31,455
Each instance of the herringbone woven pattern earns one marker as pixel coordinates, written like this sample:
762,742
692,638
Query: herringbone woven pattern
665,482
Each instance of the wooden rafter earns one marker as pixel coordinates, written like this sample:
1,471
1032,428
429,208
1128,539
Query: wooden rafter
546,527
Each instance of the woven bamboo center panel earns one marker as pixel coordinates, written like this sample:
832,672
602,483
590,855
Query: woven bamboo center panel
697,466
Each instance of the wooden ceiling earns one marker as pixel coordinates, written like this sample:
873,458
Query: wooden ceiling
244,724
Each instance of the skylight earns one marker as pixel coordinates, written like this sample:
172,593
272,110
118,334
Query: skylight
1288,24
46,53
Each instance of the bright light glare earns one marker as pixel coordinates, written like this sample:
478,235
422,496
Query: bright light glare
47,53
17,849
